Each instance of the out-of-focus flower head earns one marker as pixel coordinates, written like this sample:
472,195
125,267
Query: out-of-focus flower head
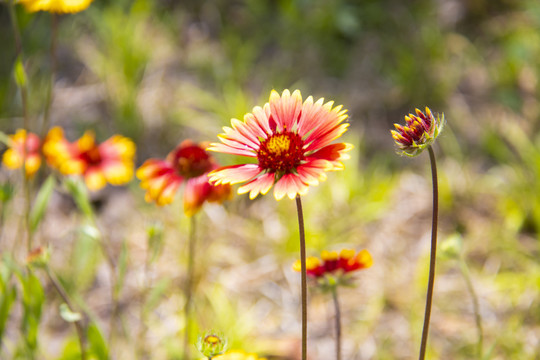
333,268
109,162
291,141
14,156
39,257
238,355
189,163
212,343
420,131
56,6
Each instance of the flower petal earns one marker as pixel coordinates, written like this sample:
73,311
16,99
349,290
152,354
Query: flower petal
94,179
285,109
195,193
314,171
290,185
261,184
237,149
333,153
234,174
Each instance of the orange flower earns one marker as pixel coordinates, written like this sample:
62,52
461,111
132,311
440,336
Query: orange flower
14,156
333,263
99,164
291,141
421,131
188,163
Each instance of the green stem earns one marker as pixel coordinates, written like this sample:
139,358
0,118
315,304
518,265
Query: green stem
26,122
50,91
78,327
189,284
431,281
15,27
338,322
141,339
476,307
304,276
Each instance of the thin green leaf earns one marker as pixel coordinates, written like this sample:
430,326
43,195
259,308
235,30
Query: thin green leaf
40,205
20,73
8,294
33,297
5,139
156,293
85,256
72,350
98,346
78,191
155,240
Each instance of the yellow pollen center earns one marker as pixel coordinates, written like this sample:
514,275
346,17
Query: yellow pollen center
279,144
212,339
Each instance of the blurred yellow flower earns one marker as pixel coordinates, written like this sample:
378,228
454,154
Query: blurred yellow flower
237,355
56,6
109,162
14,155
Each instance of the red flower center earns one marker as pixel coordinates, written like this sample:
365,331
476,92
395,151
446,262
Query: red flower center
281,152
91,156
190,161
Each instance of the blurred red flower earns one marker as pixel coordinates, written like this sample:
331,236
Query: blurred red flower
189,163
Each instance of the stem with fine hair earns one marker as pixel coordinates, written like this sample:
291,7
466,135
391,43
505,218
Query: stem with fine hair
304,275
78,327
433,257
476,307
189,284
338,322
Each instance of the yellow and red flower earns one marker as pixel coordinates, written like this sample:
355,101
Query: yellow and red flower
291,141
15,155
109,162
189,163
56,6
334,263
421,131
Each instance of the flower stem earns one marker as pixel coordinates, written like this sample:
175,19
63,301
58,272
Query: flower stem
431,281
338,322
304,275
26,122
50,90
476,307
78,327
189,284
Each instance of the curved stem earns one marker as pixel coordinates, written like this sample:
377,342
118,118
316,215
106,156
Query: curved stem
78,327
433,257
189,285
338,322
304,276
476,307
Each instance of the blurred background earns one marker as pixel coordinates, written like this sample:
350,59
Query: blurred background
163,71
